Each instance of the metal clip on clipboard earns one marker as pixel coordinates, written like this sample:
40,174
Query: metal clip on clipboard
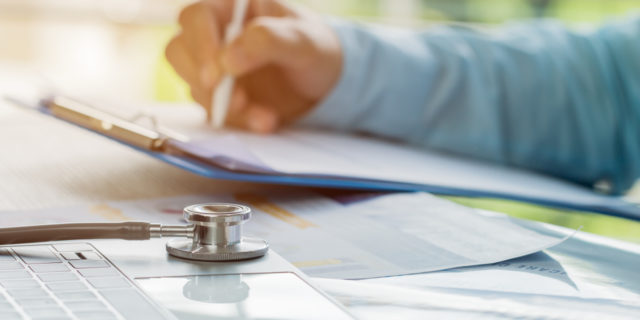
128,131
155,139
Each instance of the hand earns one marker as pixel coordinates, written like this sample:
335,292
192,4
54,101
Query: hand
285,60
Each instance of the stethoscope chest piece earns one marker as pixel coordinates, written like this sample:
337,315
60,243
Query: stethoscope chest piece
217,234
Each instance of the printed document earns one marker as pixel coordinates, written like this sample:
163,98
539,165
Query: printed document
382,301
352,236
303,152
313,157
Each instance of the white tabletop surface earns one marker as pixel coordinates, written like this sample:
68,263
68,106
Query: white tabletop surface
47,163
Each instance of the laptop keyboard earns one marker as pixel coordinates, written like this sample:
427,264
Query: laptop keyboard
66,281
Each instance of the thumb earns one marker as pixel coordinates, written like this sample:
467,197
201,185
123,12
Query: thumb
267,40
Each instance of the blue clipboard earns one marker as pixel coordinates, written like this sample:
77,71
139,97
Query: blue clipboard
151,142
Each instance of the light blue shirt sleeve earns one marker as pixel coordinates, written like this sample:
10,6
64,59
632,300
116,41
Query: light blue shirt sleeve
532,95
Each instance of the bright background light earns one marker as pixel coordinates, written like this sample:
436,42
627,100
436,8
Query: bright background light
115,47
115,50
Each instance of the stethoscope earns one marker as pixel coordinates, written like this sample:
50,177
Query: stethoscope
215,233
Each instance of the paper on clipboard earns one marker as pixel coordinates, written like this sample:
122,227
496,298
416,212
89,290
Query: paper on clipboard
328,159
365,162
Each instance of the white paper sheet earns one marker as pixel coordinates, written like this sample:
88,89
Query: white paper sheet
399,234
304,153
311,152
382,301
307,152
538,273
349,237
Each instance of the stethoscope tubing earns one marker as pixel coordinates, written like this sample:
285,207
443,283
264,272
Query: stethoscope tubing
215,233
76,231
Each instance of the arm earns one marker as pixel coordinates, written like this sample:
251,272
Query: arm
535,96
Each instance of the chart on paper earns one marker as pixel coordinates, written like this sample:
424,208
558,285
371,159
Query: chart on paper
350,237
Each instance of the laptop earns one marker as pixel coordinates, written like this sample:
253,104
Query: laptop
117,279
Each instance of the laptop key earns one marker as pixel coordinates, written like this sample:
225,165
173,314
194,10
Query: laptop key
70,256
10,265
10,315
5,255
47,313
89,255
104,283
30,303
49,267
131,304
83,264
99,272
95,315
76,296
76,306
5,306
27,293
15,274
57,276
82,255
73,247
36,254
67,286
20,284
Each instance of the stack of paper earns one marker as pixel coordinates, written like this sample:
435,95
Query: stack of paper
349,236
329,159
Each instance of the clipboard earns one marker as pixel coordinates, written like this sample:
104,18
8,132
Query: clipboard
169,146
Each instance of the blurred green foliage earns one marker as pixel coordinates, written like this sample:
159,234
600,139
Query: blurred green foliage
591,10
169,87
495,11
605,225
484,11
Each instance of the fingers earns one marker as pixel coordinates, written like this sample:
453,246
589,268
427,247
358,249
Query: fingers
257,118
203,98
271,8
261,119
244,114
249,115
267,40
193,53
239,101
185,66
201,36
198,52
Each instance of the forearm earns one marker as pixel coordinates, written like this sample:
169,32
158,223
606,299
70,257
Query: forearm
533,95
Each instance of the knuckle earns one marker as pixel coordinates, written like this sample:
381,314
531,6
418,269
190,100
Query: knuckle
197,96
189,13
262,29
172,49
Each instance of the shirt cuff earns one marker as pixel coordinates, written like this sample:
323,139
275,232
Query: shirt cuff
338,110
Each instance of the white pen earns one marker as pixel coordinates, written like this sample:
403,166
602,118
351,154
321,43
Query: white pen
222,94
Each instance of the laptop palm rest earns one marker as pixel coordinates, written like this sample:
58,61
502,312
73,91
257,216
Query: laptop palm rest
263,288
